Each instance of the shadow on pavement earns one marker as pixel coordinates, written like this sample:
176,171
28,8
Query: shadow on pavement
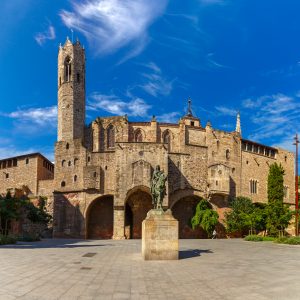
183,254
54,243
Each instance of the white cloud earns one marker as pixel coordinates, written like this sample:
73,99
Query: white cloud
226,111
42,37
275,117
156,84
135,106
113,24
171,117
39,116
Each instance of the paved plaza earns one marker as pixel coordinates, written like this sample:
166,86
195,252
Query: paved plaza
107,269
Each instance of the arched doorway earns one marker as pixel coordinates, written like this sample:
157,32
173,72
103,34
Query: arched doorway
183,210
136,208
99,218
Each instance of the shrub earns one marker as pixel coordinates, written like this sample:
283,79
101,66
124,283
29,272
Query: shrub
254,238
294,240
7,239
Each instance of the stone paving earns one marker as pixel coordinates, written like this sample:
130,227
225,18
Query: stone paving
208,269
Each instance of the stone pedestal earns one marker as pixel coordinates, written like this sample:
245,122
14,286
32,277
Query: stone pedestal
160,236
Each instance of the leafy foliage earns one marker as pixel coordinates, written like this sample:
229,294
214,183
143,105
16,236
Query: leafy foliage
278,215
205,217
257,238
242,216
275,183
6,239
293,240
12,208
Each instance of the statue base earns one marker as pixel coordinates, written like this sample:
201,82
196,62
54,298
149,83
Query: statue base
160,236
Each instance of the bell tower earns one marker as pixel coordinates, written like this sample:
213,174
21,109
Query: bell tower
71,91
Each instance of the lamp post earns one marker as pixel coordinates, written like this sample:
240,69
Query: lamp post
296,186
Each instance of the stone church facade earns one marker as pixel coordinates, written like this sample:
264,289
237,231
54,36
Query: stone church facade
101,182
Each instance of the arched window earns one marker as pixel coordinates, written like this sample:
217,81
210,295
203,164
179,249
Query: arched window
167,139
227,154
138,136
68,69
110,136
63,163
253,186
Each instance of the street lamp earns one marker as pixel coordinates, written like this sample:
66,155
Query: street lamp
296,186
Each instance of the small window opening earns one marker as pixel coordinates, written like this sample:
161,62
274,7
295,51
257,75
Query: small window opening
105,167
75,178
69,163
95,174
27,161
89,159
227,154
63,184
192,123
78,77
63,163
67,146
7,175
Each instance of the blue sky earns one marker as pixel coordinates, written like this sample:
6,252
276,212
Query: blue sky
146,58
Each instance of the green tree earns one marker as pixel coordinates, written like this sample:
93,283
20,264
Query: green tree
275,183
205,217
241,217
278,215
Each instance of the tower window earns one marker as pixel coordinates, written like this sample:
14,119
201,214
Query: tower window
68,69
75,161
59,81
63,184
69,163
78,77
89,159
67,146
95,174
110,136
75,178
27,161
192,123
7,175
63,163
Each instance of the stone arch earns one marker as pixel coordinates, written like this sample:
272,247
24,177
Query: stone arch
99,218
137,204
167,138
138,136
183,205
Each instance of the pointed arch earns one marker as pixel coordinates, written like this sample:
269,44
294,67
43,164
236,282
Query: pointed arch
138,136
110,136
167,138
67,69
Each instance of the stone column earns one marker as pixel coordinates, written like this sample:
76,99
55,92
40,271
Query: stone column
119,221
